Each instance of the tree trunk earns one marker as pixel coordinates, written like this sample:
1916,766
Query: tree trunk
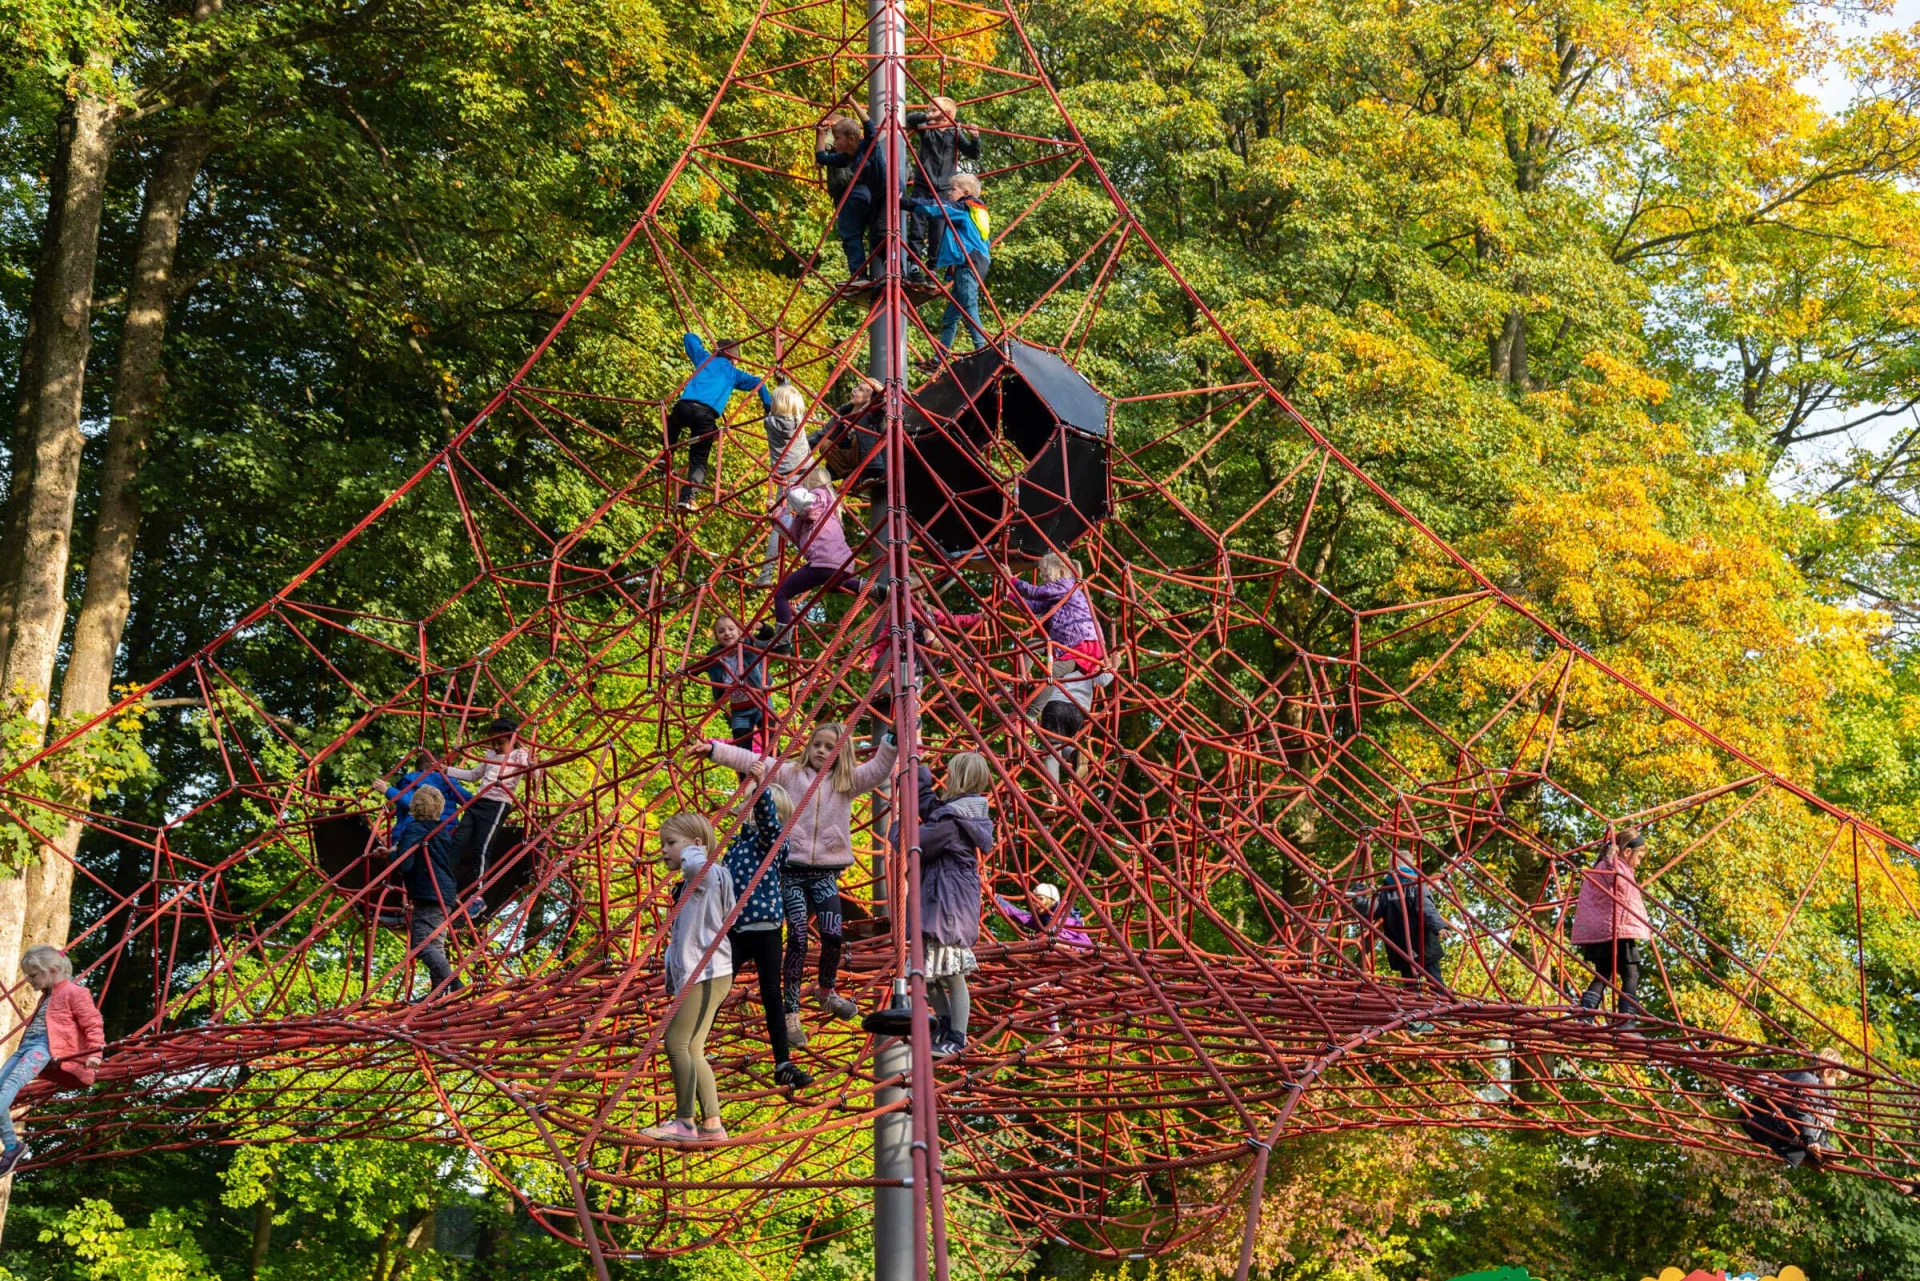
1507,351
53,441
87,687
262,1233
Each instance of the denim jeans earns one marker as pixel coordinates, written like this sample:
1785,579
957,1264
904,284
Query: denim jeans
964,281
27,1062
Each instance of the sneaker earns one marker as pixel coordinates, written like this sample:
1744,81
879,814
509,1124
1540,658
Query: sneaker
837,1005
949,1045
796,1031
685,501
764,578
715,1133
674,1131
10,1157
791,1076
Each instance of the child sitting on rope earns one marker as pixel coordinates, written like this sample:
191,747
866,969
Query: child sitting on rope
703,403
703,899
426,854
63,1039
1077,654
737,670
755,936
1046,909
1790,1113
956,832
815,527
787,450
820,840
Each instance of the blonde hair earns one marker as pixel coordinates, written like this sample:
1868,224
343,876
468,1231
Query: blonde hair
786,401
728,616
967,775
818,478
691,828
843,763
965,184
782,804
47,959
1054,566
949,106
428,803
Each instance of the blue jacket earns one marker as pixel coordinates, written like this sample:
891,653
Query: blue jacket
402,795
427,873
959,238
869,162
745,853
715,378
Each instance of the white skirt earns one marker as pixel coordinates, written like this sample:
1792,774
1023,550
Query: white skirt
944,960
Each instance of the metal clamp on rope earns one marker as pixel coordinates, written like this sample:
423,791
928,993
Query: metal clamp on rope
1252,1142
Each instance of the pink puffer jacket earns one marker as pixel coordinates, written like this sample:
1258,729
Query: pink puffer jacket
1610,905
821,834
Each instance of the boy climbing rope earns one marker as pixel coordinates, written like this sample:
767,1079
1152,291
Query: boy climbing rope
703,403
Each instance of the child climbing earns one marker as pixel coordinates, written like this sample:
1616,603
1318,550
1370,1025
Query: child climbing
426,854
504,766
1610,921
1045,898
703,899
703,403
823,784
64,1033
427,771
956,832
1408,919
737,670
939,144
755,936
787,449
846,145
966,251
1076,655
1790,1113
816,530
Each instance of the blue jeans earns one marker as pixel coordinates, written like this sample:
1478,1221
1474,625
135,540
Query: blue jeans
964,282
27,1062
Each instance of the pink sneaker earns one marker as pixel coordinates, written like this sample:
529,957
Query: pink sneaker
674,1131
715,1133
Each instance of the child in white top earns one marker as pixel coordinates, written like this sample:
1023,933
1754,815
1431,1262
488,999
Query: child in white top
703,901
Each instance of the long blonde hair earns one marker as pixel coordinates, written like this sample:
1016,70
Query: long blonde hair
1055,566
842,777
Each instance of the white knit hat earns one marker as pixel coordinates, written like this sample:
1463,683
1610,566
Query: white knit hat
1047,891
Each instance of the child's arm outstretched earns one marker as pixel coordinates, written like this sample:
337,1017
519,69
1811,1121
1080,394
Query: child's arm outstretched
738,759
877,769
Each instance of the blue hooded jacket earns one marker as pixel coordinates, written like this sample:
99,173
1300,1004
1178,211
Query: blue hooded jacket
960,239
715,378
425,857
413,780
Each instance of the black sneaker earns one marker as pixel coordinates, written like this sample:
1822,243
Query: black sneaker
791,1076
13,1156
951,1044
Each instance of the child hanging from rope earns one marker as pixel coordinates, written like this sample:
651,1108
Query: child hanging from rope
956,831
1077,653
703,899
820,848
737,670
64,1035
703,403
786,421
755,936
425,854
817,532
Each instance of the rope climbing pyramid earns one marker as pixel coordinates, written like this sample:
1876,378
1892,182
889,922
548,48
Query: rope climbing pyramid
1267,858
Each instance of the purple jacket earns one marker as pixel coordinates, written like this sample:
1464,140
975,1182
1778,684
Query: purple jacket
1072,623
1610,905
1069,934
815,526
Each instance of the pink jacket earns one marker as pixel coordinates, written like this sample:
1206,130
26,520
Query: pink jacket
815,526
821,834
1610,905
74,1031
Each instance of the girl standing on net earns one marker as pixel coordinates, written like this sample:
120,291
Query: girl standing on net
703,899
755,936
820,847
1610,921
1076,654
64,1033
956,832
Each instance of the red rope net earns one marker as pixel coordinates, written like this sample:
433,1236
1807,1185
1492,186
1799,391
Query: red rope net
1269,740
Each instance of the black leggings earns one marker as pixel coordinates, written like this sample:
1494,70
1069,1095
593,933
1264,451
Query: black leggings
698,420
761,949
816,893
1615,958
